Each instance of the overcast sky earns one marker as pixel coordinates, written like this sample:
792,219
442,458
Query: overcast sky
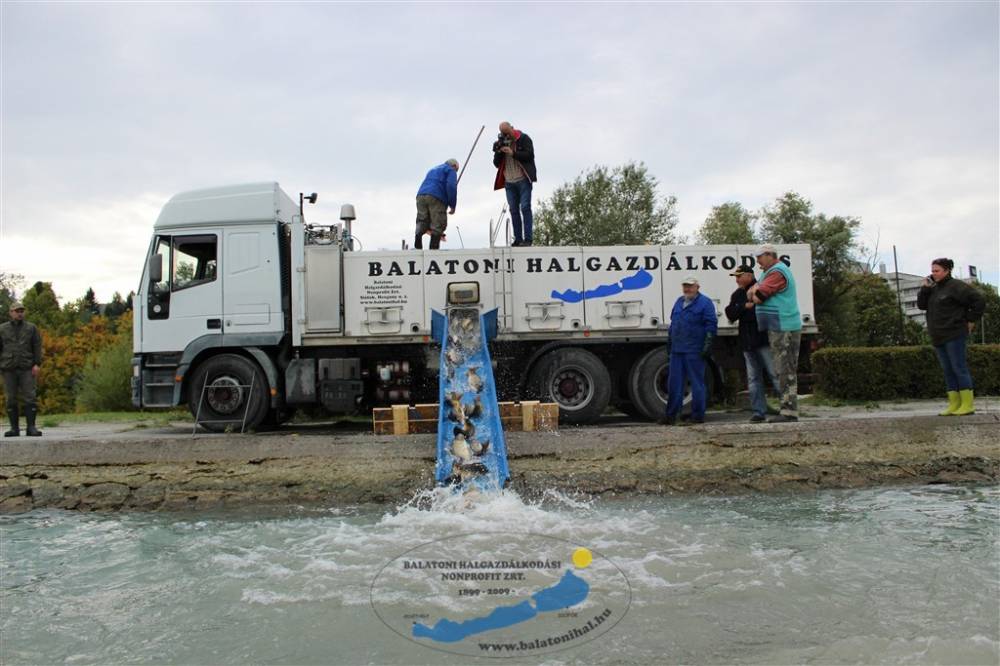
883,111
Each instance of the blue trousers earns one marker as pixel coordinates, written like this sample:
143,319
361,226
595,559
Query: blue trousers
519,203
760,366
689,366
952,357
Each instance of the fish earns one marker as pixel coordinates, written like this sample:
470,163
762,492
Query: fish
474,410
475,381
453,356
479,448
460,449
467,324
456,412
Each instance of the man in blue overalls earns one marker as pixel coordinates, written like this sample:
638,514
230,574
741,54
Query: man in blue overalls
693,325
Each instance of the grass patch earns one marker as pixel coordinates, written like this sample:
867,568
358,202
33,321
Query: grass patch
818,400
140,419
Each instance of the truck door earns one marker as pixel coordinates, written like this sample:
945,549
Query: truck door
253,280
186,302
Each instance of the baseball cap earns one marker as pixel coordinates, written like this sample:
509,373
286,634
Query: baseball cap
740,270
767,248
17,305
690,279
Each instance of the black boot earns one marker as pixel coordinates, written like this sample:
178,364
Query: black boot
15,428
435,241
29,415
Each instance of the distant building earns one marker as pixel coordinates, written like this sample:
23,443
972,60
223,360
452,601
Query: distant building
909,285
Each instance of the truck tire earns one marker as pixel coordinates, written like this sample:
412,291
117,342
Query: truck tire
577,381
647,385
227,381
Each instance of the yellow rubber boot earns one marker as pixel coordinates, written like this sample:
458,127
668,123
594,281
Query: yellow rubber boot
966,406
954,400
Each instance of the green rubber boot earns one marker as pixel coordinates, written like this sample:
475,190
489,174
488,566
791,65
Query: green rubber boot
966,406
954,400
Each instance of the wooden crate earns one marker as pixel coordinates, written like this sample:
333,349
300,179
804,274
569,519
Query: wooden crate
528,416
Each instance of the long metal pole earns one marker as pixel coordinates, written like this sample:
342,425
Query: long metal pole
469,156
500,220
899,300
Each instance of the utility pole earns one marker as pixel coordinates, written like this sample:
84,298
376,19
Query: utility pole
899,298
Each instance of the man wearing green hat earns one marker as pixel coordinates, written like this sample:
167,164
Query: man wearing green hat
20,357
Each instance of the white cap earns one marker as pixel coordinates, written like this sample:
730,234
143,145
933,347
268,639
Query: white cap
690,279
767,248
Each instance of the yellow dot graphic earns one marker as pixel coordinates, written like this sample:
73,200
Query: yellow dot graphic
582,558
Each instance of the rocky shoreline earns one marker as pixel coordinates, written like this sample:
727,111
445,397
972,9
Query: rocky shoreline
159,472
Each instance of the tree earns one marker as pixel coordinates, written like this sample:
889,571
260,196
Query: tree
606,206
870,316
116,308
988,329
43,309
728,224
834,250
9,284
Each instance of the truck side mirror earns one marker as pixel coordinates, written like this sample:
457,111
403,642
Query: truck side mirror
156,268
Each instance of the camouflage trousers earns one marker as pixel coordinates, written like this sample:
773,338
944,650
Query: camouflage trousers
785,350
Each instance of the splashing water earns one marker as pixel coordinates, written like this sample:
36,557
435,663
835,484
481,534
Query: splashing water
885,575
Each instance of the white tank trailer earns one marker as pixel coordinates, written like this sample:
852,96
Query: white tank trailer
245,313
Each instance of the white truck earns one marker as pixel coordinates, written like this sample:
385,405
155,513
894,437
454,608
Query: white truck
245,313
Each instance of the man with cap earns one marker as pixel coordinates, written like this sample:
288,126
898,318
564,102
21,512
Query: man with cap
436,199
777,309
693,324
20,356
755,345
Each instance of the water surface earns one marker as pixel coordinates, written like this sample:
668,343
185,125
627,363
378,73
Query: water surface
873,576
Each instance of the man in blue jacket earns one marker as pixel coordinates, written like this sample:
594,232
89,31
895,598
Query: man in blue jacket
436,200
693,325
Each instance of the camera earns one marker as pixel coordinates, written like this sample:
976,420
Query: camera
503,141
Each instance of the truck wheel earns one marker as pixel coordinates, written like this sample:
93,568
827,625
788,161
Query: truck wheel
577,381
223,385
647,385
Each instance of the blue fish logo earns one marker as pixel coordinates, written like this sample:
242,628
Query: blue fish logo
639,280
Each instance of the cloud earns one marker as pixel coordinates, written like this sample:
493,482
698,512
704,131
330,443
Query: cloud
887,112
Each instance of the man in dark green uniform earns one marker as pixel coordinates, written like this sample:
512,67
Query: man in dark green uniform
20,356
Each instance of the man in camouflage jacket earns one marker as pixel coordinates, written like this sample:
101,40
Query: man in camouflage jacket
20,357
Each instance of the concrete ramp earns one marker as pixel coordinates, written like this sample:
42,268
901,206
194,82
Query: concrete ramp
471,450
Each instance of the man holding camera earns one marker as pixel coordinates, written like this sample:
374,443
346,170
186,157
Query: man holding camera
514,158
436,200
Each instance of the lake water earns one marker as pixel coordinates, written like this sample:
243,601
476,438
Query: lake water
892,575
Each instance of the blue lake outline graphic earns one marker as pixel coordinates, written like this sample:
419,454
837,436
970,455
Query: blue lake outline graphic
568,592
639,280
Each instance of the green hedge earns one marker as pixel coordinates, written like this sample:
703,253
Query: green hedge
886,373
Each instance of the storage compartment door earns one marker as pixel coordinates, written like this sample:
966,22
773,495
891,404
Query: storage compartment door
547,289
623,287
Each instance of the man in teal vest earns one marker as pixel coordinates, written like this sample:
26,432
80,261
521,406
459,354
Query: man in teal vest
778,314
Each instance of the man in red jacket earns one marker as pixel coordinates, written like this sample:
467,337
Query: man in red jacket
514,158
